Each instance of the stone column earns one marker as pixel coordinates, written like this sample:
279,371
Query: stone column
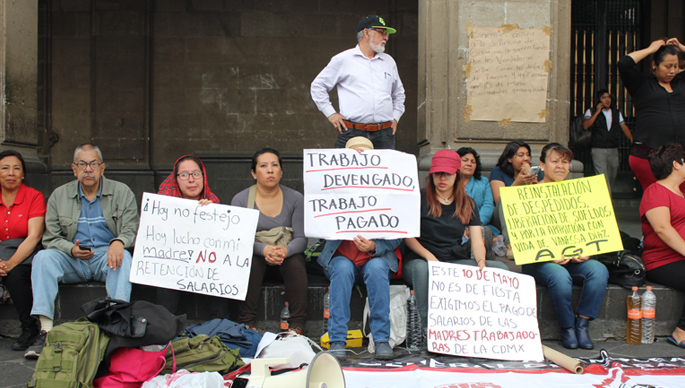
18,75
442,89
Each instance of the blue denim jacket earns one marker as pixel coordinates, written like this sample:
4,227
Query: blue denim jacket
384,249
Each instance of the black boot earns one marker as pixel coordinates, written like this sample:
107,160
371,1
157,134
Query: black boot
584,341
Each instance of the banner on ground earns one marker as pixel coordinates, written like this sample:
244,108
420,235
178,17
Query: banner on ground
412,376
184,246
488,313
375,193
546,221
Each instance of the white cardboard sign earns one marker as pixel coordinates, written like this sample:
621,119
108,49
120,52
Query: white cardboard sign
182,245
375,193
489,313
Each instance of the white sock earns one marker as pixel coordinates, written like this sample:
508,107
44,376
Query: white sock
45,323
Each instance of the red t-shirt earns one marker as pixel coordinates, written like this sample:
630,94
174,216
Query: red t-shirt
14,221
657,253
349,249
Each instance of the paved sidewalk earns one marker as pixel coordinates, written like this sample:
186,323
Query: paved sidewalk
16,371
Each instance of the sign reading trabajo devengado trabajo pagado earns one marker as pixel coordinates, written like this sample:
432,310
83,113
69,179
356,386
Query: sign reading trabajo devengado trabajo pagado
375,193
546,221
182,245
488,313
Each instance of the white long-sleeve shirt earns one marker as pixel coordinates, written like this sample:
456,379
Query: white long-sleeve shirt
369,90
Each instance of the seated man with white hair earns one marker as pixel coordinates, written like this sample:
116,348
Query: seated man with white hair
88,226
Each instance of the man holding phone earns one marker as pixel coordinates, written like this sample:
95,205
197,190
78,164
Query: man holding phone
88,226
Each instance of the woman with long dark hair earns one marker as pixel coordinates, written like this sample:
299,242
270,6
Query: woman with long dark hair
446,213
513,167
477,186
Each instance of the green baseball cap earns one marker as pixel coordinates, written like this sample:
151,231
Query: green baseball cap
373,21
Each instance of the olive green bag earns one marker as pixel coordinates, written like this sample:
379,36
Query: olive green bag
280,235
71,356
201,354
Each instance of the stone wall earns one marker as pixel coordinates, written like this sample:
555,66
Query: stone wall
149,81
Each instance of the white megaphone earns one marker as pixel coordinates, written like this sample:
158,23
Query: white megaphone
323,372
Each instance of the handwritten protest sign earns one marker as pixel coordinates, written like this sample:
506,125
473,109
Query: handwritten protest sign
508,71
375,193
489,313
549,220
202,249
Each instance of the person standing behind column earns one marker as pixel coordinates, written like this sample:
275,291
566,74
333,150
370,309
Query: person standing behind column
606,124
89,224
370,92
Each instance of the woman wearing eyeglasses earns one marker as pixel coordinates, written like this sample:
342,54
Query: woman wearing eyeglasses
446,212
189,181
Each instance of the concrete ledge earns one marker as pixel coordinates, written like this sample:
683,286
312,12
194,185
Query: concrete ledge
610,324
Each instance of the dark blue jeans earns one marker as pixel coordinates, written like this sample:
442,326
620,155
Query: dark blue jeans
559,280
383,139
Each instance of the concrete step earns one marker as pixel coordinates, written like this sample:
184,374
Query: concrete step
610,324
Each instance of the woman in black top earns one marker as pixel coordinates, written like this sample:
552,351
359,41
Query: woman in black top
659,100
446,212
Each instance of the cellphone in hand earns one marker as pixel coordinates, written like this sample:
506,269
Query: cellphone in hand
84,248
534,170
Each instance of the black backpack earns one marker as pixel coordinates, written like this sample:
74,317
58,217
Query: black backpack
579,137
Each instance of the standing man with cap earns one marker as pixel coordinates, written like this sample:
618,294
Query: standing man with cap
370,92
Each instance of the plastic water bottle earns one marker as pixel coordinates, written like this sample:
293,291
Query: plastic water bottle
414,332
648,314
285,316
498,247
634,329
326,309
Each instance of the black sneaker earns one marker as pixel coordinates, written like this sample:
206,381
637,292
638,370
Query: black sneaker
26,338
33,352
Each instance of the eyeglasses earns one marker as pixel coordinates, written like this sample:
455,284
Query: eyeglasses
93,165
381,31
184,175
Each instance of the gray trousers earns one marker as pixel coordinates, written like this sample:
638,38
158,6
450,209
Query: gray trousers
605,161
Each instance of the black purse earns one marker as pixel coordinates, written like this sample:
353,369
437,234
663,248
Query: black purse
626,269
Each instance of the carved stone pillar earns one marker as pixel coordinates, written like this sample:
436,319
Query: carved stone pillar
444,60
18,73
